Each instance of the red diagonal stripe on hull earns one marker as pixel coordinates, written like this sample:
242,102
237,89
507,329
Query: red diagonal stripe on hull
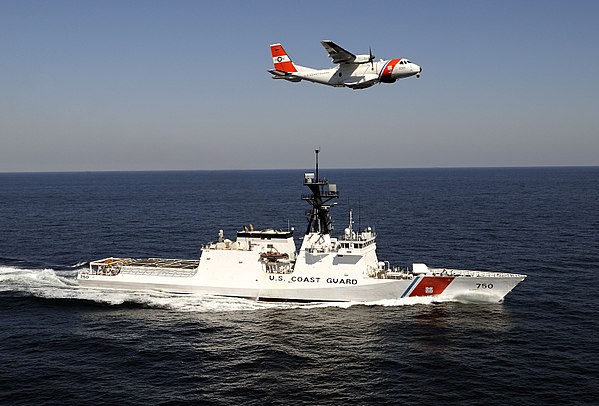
435,284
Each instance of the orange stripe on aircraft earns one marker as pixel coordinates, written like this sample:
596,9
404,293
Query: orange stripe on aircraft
388,70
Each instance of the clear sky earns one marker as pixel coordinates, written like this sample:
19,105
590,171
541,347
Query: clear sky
144,85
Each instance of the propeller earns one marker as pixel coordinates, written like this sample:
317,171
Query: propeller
371,58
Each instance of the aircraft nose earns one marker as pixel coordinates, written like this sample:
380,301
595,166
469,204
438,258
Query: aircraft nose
419,71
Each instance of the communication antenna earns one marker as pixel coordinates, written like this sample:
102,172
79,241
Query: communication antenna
317,151
359,215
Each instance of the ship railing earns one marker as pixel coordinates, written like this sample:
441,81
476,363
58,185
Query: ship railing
103,270
324,193
470,273
321,250
233,246
357,237
355,243
278,268
177,273
398,272
308,180
162,263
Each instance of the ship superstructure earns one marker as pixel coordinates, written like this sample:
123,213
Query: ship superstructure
265,265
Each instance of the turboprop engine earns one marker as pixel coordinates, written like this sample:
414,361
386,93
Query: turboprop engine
364,58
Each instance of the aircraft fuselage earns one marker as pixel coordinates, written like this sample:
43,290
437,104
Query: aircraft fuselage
359,76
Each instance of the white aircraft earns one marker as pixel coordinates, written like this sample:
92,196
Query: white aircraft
353,71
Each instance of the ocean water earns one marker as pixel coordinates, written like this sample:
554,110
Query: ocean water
61,344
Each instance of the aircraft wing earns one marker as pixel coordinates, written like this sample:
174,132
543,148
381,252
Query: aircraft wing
338,54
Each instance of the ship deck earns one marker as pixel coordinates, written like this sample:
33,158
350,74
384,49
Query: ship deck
143,266
189,264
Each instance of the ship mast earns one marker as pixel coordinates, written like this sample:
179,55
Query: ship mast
319,219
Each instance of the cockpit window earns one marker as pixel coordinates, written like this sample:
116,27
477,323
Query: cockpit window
408,62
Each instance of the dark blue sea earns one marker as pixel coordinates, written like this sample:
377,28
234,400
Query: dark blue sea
60,344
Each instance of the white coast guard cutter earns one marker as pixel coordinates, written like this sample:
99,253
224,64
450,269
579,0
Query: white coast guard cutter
265,265
353,71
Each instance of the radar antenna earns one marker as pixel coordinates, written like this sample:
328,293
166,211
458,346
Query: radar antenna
319,219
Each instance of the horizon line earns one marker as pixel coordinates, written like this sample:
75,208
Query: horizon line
294,169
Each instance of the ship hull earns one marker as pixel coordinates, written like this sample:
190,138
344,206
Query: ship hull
312,289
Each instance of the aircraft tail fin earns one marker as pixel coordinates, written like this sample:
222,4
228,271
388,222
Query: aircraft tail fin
281,60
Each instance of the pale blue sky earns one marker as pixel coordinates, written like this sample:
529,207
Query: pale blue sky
136,85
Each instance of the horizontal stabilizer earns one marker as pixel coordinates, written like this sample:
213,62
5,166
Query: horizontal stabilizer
278,74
